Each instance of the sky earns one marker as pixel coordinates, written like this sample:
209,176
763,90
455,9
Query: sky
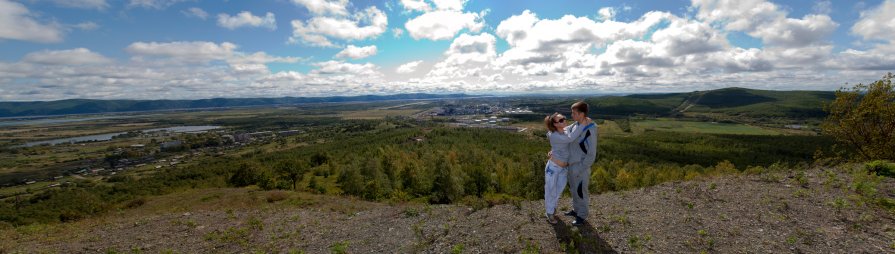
192,49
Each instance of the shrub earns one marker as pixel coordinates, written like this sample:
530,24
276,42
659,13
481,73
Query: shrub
881,168
276,195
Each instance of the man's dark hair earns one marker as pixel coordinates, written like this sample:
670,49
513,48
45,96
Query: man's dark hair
580,107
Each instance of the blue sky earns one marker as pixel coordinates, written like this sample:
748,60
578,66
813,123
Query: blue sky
186,49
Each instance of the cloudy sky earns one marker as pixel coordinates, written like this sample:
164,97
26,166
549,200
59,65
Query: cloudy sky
187,49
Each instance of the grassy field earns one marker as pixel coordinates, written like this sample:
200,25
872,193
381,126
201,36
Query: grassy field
701,127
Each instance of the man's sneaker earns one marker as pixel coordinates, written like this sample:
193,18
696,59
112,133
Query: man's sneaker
578,221
571,213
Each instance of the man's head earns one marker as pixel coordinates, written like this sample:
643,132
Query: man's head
579,111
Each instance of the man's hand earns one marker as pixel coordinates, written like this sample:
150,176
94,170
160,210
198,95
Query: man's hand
550,154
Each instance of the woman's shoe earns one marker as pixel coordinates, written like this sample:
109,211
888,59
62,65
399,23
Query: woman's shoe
551,219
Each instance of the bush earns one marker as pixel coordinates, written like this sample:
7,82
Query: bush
276,195
881,168
137,202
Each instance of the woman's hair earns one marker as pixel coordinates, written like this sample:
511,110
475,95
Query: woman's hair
548,121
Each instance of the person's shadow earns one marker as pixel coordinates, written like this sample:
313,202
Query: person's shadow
584,240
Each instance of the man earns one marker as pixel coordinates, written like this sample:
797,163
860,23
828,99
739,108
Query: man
583,153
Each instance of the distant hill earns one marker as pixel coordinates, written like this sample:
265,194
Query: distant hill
730,101
86,106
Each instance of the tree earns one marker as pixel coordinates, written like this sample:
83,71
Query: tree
244,176
448,184
293,170
863,117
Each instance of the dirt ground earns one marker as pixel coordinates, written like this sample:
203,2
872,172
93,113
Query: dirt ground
814,212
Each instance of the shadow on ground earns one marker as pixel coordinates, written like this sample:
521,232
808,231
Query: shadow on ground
581,239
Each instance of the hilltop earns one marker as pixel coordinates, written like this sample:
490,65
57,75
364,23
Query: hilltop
727,101
817,211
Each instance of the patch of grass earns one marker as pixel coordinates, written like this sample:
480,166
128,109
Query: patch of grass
339,247
622,219
791,239
255,223
457,249
210,197
411,212
831,179
801,179
234,235
637,243
839,203
533,248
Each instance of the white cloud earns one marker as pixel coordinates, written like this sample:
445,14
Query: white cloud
606,13
790,32
539,47
86,26
319,7
83,4
246,18
823,7
195,12
343,68
397,32
318,31
468,56
877,23
767,21
685,37
256,63
450,5
443,24
355,52
416,5
78,56
408,67
18,23
187,51
153,4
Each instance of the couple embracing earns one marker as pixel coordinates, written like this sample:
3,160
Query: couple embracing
573,149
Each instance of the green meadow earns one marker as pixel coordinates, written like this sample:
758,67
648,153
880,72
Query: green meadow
701,127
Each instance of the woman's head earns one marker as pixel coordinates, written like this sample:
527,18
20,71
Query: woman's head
555,122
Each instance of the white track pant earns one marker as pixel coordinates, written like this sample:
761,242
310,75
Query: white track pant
554,184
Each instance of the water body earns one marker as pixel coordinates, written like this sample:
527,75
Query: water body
108,136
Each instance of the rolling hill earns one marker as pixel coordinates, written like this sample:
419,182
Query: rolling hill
729,101
88,106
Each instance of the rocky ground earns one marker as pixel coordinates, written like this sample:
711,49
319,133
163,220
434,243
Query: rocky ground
818,211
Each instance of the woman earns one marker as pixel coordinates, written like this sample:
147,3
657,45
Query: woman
555,172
